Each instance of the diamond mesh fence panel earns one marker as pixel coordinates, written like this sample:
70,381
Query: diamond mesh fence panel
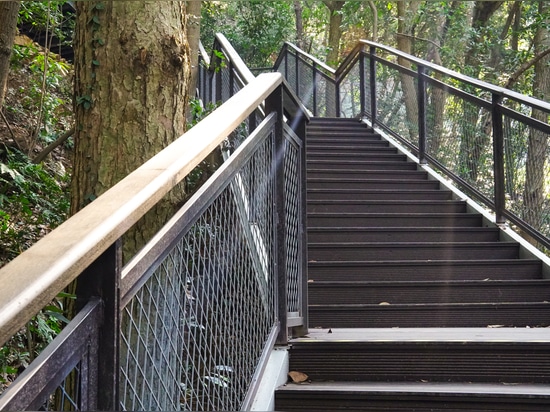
193,334
527,170
350,93
292,171
459,136
305,80
397,102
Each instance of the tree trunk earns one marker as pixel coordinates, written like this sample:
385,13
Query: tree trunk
298,11
8,25
334,31
193,10
474,139
405,10
132,64
538,145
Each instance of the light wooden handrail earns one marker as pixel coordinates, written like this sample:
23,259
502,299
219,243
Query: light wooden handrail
29,282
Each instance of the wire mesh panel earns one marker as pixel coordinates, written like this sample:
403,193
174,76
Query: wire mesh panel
306,83
459,136
193,333
292,169
350,93
64,376
397,101
527,170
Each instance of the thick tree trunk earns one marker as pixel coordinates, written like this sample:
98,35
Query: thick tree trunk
132,66
8,26
193,10
474,138
298,11
334,31
405,10
538,144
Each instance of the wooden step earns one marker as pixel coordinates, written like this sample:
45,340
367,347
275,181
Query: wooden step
394,219
378,194
402,234
336,156
476,355
362,175
478,291
386,206
412,251
361,165
417,270
430,315
366,184
412,396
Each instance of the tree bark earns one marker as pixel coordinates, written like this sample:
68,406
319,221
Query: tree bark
405,10
193,10
298,11
537,142
334,31
8,25
132,65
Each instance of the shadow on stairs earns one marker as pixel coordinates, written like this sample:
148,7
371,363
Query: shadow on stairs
416,303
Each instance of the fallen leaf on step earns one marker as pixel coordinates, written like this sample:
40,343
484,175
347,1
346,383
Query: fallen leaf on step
310,281
495,326
384,303
298,377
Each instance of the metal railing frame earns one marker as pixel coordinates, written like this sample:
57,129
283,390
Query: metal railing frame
87,247
367,55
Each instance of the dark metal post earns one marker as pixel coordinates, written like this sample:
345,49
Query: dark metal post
421,94
372,84
315,74
274,103
337,97
498,162
101,279
231,79
362,97
297,73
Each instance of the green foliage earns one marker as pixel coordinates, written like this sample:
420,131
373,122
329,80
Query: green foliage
48,87
33,200
25,345
256,28
41,15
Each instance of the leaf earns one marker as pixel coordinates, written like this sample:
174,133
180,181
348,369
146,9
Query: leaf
298,377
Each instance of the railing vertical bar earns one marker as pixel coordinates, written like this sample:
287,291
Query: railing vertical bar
314,77
102,279
274,103
362,96
372,83
421,94
231,78
498,164
303,329
337,96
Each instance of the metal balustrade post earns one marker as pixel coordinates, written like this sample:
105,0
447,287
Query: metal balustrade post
337,93
498,162
362,96
421,95
302,330
231,79
101,279
297,73
314,77
372,84
274,103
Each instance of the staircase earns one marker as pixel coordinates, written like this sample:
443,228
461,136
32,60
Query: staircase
416,303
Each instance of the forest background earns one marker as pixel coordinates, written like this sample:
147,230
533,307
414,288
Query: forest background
503,42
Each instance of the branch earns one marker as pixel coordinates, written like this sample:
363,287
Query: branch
42,155
523,68
420,38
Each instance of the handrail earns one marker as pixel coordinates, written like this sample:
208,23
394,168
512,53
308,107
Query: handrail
35,277
234,58
539,104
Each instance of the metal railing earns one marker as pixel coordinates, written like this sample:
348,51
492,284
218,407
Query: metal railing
188,322
491,141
